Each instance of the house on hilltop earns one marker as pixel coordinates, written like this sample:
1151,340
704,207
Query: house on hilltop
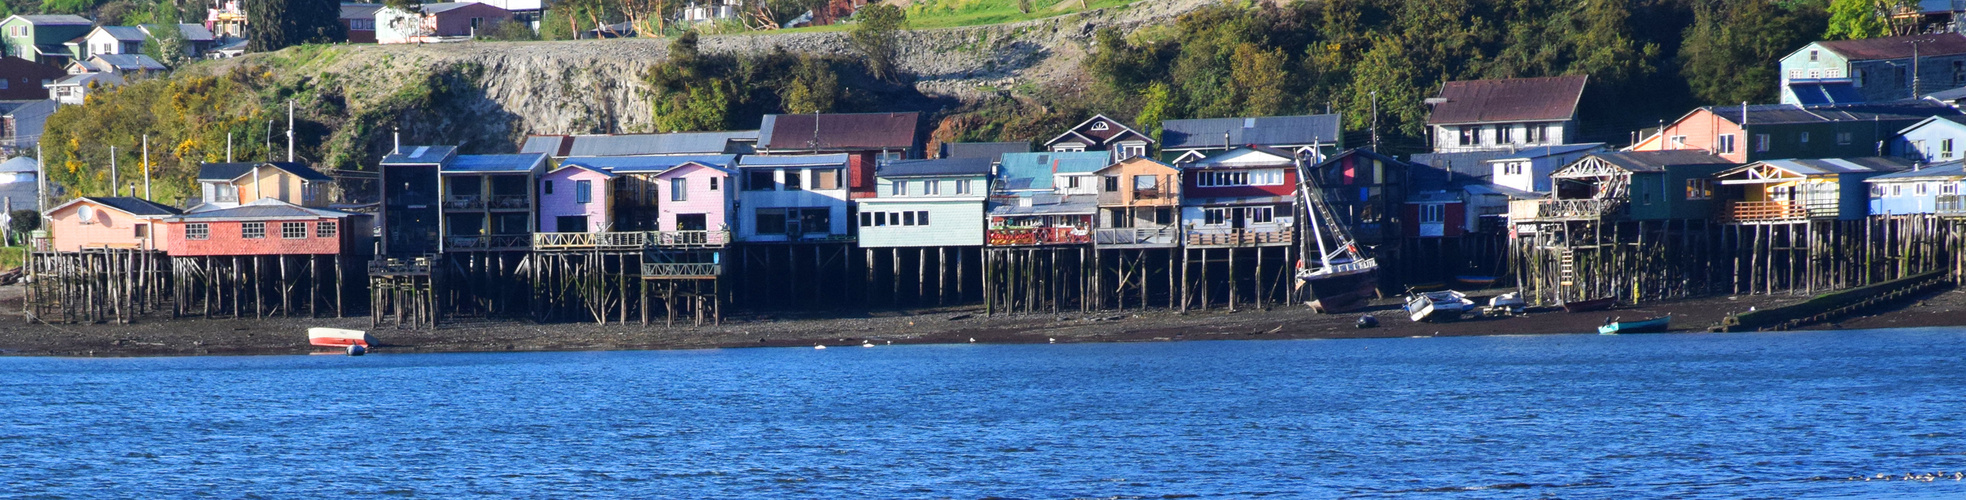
1505,114
1841,72
43,38
436,22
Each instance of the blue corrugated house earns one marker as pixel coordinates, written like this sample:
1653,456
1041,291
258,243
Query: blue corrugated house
1927,190
1045,198
926,203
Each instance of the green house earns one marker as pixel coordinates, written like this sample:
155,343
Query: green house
43,38
1633,185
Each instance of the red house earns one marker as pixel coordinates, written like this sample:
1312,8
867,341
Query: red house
870,139
268,227
1244,196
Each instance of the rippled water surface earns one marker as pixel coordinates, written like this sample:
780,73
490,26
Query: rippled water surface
1573,416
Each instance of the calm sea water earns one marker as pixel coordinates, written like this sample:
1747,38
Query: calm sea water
1572,416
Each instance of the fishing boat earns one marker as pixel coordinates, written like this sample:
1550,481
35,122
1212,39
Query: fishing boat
1654,325
1599,304
337,337
1445,305
1508,304
1341,278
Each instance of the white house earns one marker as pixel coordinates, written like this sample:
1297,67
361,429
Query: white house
793,198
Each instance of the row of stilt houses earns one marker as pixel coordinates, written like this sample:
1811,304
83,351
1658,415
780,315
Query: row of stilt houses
851,211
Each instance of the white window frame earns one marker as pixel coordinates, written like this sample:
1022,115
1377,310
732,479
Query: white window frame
197,231
327,229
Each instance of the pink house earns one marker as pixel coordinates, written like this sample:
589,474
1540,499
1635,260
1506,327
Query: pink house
698,198
108,222
575,199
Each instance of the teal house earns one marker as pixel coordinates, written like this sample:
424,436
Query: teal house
1632,185
926,203
44,38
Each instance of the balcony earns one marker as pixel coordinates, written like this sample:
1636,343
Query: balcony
689,238
653,270
1162,236
1557,210
464,202
511,202
496,242
1030,236
1951,205
1764,211
419,266
1240,237
629,240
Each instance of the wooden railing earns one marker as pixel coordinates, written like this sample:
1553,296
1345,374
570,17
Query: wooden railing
1240,237
1951,204
491,242
1023,236
1764,211
1565,209
629,240
397,267
510,202
1160,235
690,270
467,202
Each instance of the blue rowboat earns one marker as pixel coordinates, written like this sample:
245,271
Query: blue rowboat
1654,325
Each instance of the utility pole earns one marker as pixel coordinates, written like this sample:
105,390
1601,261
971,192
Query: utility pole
1375,121
1914,63
146,166
290,130
114,181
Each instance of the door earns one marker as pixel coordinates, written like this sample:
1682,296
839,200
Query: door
570,223
692,222
1236,218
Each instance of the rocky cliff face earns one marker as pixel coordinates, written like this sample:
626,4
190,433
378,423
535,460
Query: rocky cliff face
489,95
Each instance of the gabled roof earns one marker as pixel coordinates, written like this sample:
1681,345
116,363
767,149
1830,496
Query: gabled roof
1246,156
127,204
231,171
1135,160
190,31
121,33
1100,137
125,62
1782,114
1034,170
56,20
1551,98
580,166
1896,47
922,168
1830,166
992,150
510,163
839,132
19,164
680,167
1266,131
1957,120
350,10
1948,95
1658,161
420,155
1947,170
265,209
627,164
1358,152
85,79
825,160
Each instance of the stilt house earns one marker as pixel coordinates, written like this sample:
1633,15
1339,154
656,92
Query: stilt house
122,222
793,198
926,203
1044,199
1932,189
1139,204
1797,190
1241,197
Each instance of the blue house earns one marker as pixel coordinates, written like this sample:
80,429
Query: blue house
1936,139
1045,198
1796,190
926,203
1928,190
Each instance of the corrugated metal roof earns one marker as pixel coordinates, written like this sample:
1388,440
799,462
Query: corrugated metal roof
657,144
359,10
134,205
57,20
836,159
550,144
420,155
19,164
127,62
1825,93
839,131
521,162
124,33
1946,170
266,208
1021,171
1264,131
1657,161
1826,166
1045,204
1948,94
626,164
1765,114
1897,47
1509,99
950,166
992,150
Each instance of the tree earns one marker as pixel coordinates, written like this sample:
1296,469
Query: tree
813,88
688,97
21,222
166,42
1260,79
1157,108
1731,50
875,36
278,24
1856,19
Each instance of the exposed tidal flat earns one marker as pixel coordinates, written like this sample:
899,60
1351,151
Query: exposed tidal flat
1754,415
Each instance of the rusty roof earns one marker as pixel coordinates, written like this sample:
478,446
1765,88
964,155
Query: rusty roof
1897,47
1509,100
839,132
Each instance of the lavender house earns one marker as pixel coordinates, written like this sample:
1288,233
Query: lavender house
574,199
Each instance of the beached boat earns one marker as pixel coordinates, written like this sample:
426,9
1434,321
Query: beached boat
337,337
1341,278
1446,305
1508,304
1654,325
1597,304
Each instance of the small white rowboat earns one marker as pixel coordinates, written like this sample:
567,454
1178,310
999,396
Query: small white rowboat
337,337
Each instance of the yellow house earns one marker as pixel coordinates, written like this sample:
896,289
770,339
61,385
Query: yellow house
229,185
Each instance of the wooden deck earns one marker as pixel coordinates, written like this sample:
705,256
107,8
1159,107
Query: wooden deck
1240,238
630,240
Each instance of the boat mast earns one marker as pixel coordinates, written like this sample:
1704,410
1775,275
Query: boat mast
1310,212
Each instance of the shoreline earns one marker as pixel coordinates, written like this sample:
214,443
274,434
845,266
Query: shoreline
946,325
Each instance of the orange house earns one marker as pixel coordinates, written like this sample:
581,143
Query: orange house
1139,203
1702,130
268,227
108,222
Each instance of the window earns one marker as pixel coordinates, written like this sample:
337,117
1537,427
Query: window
907,218
1534,133
921,217
1699,189
544,187
713,184
252,230
1468,135
1918,149
1876,190
1897,190
142,230
1859,81
1145,183
1261,215
225,193
826,178
1678,141
816,220
1504,134
1945,148
1761,143
197,231
1214,216
1112,183
1726,145
962,186
1802,137
931,187
1949,188
770,221
900,188
679,189
1099,126
1812,56
1071,182
1433,213
293,230
866,219
583,191
880,218
1132,149
326,229
760,180
1919,189
1958,72
1221,179
794,180
1843,138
